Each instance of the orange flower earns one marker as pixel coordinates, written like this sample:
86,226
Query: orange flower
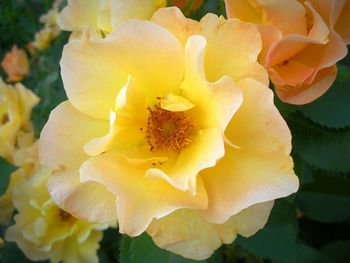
15,64
301,42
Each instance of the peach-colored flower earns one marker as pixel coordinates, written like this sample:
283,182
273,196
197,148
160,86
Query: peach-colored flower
16,64
301,42
171,128
16,103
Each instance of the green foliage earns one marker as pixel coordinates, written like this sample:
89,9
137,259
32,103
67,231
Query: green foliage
322,147
142,249
326,200
6,170
332,109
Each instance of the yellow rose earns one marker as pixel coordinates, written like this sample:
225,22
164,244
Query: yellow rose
16,64
171,126
16,103
105,15
44,231
27,159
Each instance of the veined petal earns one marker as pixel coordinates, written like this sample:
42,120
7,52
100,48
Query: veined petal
143,199
92,76
80,199
261,169
63,147
143,49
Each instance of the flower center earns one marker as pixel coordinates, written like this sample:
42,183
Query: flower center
168,130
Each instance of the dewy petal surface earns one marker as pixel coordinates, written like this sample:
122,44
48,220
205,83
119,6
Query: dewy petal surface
64,135
186,233
260,169
140,199
92,76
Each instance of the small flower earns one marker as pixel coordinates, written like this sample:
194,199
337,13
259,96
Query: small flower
102,15
44,37
302,42
171,126
16,103
44,231
16,64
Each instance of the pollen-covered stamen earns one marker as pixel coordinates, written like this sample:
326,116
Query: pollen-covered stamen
168,130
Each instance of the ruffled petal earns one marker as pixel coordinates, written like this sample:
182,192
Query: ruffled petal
80,199
143,199
260,169
186,233
64,135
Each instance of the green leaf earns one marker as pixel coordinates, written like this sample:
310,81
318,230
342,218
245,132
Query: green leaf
336,252
142,249
321,147
277,240
5,176
332,109
303,170
327,200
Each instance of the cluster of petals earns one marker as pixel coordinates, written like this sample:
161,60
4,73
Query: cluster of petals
169,128
42,230
302,41
104,15
16,104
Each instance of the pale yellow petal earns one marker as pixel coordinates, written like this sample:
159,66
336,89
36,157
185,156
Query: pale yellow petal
143,199
78,15
151,54
174,21
232,49
186,233
123,10
260,169
218,100
80,199
92,76
64,135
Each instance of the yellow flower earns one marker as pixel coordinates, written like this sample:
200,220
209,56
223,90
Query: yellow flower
15,64
44,231
44,37
27,159
105,15
16,103
171,126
